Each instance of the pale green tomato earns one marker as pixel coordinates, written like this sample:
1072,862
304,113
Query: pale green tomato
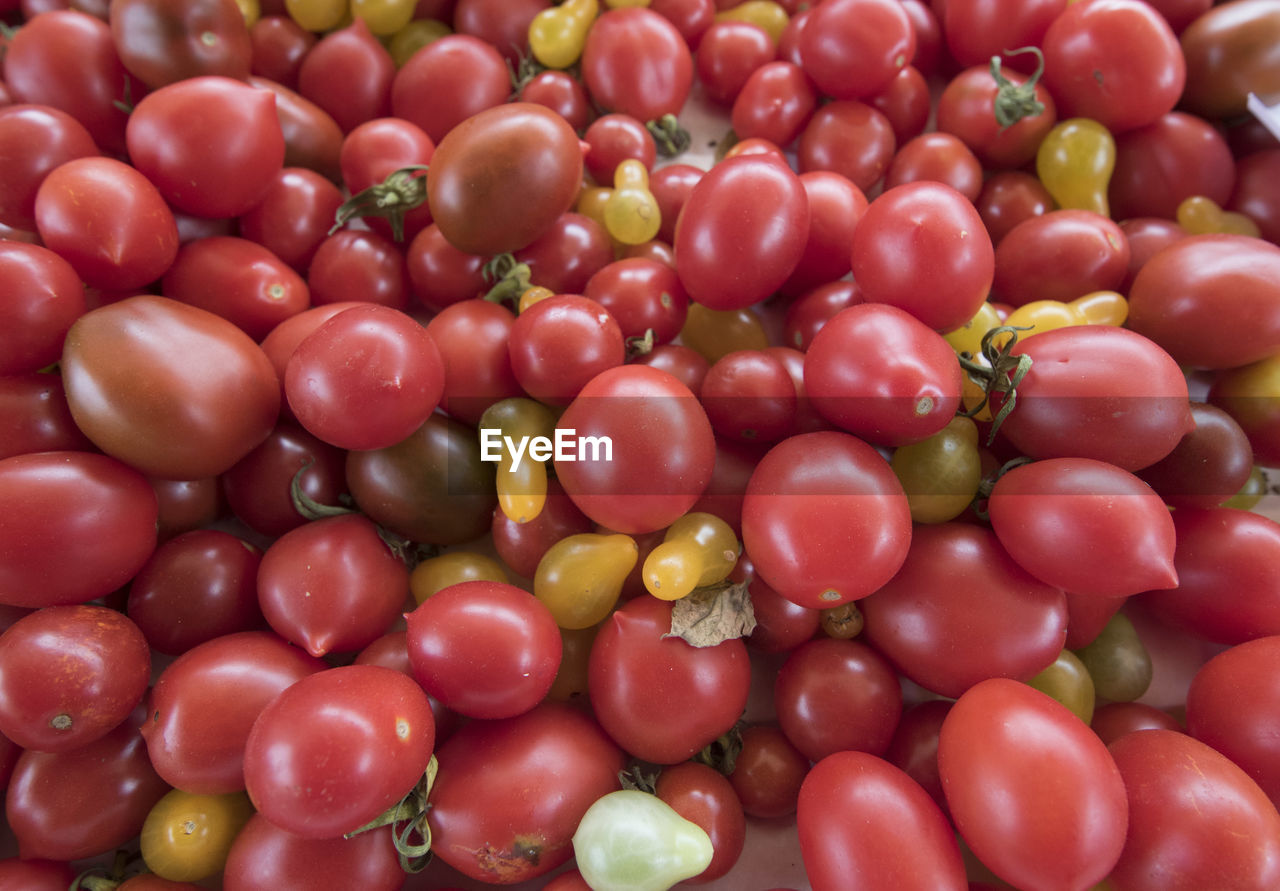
634,841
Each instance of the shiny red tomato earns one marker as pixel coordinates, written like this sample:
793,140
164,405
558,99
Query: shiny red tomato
35,139
448,81
40,297
853,48
264,857
1060,255
635,62
703,796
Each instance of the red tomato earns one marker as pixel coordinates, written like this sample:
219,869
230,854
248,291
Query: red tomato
359,263
1085,526
484,649
642,295
265,857
1208,466
1060,255
1211,300
661,698
663,449
370,154
1115,61
35,139
635,62
258,487
40,297
775,103
976,30
936,157
564,258
728,53
365,379
1008,198
741,232
160,42
1059,828
961,611
205,701
42,422
768,772
349,74
907,103
108,221
279,44
294,215
562,93
138,383
448,81
850,138
53,503
853,48
877,372
1196,820
824,519
211,145
835,207
1175,157
560,344
703,796
510,793
337,749
864,823
472,336
923,248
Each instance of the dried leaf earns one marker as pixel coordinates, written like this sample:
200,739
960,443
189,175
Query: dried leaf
713,614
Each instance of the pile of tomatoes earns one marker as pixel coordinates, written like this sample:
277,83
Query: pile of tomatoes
423,463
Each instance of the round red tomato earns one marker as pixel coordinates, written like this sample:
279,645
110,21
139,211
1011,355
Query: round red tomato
853,48
161,42
35,139
865,823
635,62
264,857
337,749
1060,255
741,232
1033,827
40,297
824,519
659,455
89,505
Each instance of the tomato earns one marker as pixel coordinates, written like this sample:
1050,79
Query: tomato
865,823
826,528
1173,158
69,675
35,139
1224,560
264,857
853,48
372,401
211,145
1210,300
850,138
976,30
837,695
472,336
448,81
108,221
635,62
1059,255
961,610
67,60
1255,192
613,138
1099,392
702,795
509,793
562,93
257,488
36,875
337,749
1009,198
565,257
662,699
349,74
359,262
42,421
279,45
922,248
663,446
439,273
85,802
52,501
157,408
332,585
161,42
560,344
1208,466
728,52
186,837
642,295
936,157
1031,827
835,207
877,372
748,396
370,154
741,232
774,103
503,24
205,701
40,298
514,155
312,138
1195,819
965,110
293,216
1229,54
906,103
484,649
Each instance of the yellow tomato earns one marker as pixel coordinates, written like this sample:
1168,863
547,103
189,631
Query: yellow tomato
436,573
186,837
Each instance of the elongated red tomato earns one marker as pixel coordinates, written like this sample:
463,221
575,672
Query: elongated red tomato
824,519
865,824
1031,788
741,232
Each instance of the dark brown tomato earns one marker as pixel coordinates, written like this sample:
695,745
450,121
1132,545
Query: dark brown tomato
160,41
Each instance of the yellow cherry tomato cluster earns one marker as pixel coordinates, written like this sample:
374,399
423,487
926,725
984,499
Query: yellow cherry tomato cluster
698,549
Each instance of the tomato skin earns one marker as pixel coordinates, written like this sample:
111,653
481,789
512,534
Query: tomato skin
93,665
320,777
50,501
513,155
484,649
108,221
184,424
37,403
864,823
1171,159
265,857
312,138
835,207
35,140
961,610
257,488
36,875
727,54
41,296
279,44
1094,70
472,336
1031,827
702,795
293,216
741,232
211,145
853,48
919,241
479,827
1196,820
976,30
161,42
564,258
1210,300
448,81
662,700
848,137
1229,53
1060,255
880,374
635,62
205,702
1080,378
1226,564
823,539
558,345
666,449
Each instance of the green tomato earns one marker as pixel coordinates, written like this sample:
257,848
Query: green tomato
633,841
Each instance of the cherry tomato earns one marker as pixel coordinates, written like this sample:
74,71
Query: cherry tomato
264,856
702,795
1227,57
160,43
848,137
348,74
853,48
35,139
448,81
635,62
